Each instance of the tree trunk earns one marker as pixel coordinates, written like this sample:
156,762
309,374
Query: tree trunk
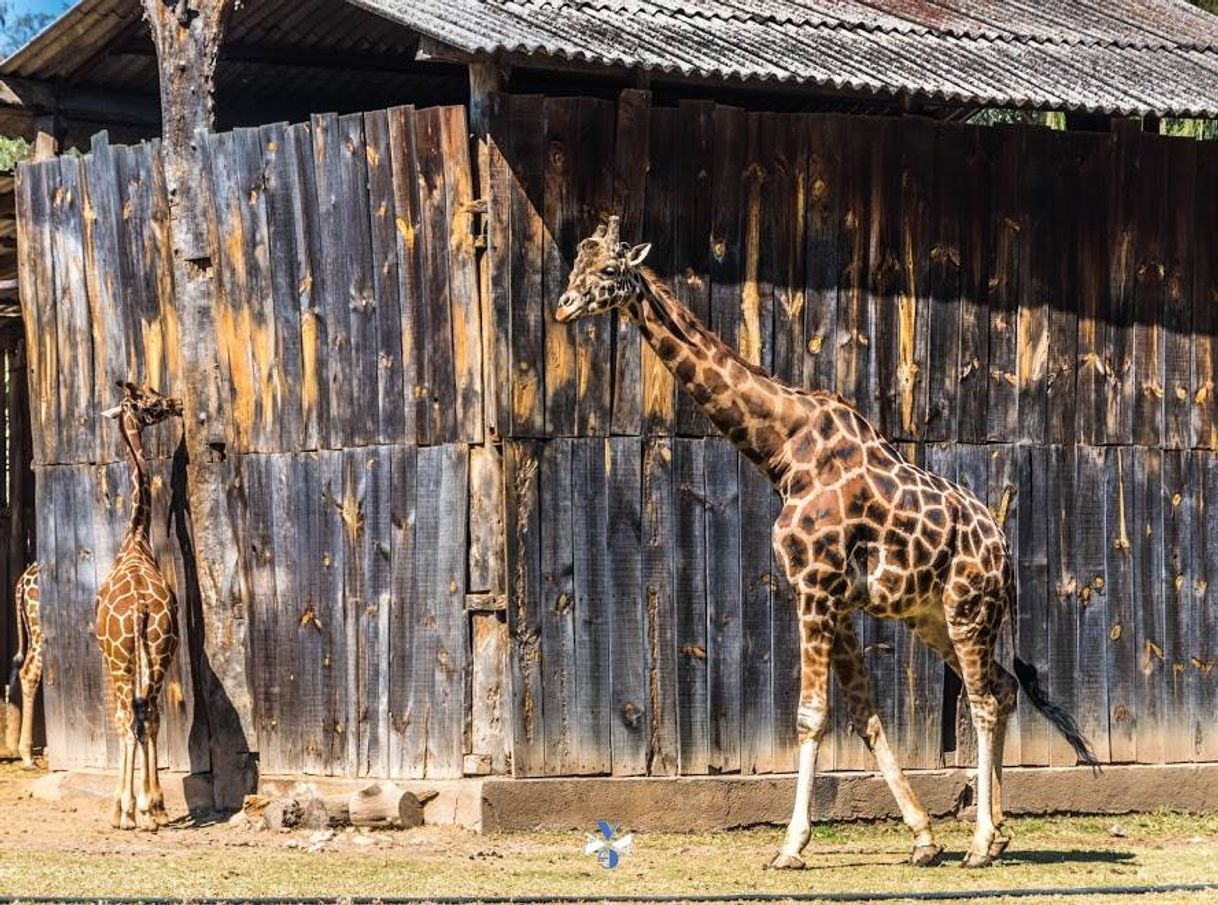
187,39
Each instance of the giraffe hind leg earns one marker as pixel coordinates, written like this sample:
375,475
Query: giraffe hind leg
856,689
31,675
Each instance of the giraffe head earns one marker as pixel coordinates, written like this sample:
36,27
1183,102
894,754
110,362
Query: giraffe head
145,405
606,273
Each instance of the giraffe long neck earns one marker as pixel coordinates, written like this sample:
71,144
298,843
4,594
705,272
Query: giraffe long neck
141,493
757,412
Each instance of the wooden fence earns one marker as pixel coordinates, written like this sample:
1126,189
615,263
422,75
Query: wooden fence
467,529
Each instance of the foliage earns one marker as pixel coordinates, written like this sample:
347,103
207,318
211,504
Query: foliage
993,116
11,151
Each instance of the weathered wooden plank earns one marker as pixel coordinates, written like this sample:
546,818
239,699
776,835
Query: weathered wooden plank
1039,155
1205,302
659,386
284,380
427,603
332,280
1032,574
265,681
432,344
725,630
593,335
883,277
445,736
1062,677
1090,678
692,255
403,168
240,275
593,593
1150,619
946,279
466,311
1093,199
1179,256
524,150
313,619
689,591
943,459
280,615
163,353
1007,239
1120,606
856,349
523,517
914,296
731,185
98,531
52,521
658,582
353,220
77,409
371,473
977,225
491,689
1149,289
104,280
486,525
820,295
1064,312
35,282
629,715
500,249
756,680
341,654
408,712
1205,586
309,277
1179,520
1121,237
557,602
753,330
561,217
784,240
631,163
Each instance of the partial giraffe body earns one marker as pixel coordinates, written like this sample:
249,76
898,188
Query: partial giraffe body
860,528
137,625
27,663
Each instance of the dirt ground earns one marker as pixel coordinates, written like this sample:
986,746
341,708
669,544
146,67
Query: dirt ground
68,849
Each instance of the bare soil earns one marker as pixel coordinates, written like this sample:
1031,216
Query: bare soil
68,848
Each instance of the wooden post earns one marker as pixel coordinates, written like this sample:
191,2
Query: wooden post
487,737
187,39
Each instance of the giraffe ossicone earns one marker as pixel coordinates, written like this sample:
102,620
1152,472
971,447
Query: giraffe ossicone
137,626
860,529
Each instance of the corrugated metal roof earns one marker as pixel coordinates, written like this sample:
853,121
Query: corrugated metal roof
1110,56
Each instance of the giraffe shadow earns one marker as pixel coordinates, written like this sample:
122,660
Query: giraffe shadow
1069,856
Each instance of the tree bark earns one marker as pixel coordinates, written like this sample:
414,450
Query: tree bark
187,35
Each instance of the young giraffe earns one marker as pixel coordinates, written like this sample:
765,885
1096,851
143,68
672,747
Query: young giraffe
137,624
860,528
27,663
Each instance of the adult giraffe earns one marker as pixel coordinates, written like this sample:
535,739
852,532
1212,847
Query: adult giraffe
137,624
27,663
860,528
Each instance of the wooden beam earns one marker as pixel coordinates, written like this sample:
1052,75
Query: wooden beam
38,97
187,40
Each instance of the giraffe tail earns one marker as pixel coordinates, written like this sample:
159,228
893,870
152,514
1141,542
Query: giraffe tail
1029,680
23,631
139,703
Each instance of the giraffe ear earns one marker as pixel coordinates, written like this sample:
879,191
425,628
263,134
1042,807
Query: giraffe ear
635,256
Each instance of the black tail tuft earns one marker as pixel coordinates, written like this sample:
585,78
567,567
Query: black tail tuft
14,680
139,717
1055,714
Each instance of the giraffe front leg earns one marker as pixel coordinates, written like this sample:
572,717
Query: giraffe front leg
816,626
856,688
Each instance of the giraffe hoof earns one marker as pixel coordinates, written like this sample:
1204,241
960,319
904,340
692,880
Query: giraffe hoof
787,862
998,846
161,817
926,855
972,860
126,822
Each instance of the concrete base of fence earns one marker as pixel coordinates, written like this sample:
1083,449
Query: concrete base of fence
710,803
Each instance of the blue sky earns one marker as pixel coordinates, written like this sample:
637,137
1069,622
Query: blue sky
37,6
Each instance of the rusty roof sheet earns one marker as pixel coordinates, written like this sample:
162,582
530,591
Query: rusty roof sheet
1112,56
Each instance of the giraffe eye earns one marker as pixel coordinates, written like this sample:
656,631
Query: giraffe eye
609,271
